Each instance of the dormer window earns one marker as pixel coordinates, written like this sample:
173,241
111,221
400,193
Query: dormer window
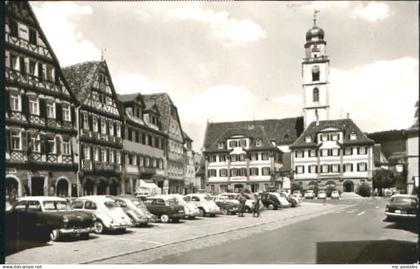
220,145
243,143
335,137
258,142
353,136
308,139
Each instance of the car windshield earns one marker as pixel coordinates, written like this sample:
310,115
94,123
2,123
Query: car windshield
309,191
404,200
56,206
171,201
110,204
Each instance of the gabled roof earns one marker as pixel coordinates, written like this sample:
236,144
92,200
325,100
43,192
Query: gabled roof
186,137
280,131
347,126
81,77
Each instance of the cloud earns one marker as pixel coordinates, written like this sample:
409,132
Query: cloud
288,99
232,32
218,103
59,23
373,11
378,96
132,83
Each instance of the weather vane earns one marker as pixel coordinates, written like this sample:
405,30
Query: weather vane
315,12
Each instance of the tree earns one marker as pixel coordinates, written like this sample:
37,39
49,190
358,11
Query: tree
364,190
383,178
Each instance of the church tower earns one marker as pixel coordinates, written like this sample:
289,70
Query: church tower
315,71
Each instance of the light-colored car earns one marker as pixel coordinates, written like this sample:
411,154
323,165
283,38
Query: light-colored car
335,195
129,204
309,194
322,195
191,210
109,216
233,197
204,202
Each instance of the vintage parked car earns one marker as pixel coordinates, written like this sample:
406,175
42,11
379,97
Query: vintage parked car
227,207
309,194
129,204
268,199
204,202
322,195
165,208
335,195
233,197
282,199
109,216
402,206
294,202
50,217
191,210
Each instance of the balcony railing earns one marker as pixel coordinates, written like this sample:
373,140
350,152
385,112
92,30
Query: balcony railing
33,81
87,165
317,59
24,44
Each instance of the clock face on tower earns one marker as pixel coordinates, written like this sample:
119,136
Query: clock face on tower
315,69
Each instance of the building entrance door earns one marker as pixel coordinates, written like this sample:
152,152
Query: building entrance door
348,186
37,186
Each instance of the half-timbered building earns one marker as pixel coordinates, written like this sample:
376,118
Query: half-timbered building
99,127
40,119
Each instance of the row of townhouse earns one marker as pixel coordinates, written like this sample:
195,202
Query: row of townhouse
69,133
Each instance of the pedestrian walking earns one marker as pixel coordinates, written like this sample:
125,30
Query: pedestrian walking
256,209
242,200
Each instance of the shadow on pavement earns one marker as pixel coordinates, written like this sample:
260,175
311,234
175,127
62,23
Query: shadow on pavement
15,245
366,252
410,226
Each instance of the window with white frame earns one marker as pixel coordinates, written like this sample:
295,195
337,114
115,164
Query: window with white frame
85,121
66,113
222,158
118,129
308,139
66,148
241,172
154,163
220,145
146,161
348,167
234,172
324,152
335,152
353,136
36,143
51,145
86,152
258,143
15,103
242,157
312,153
118,157
104,155
212,173
324,168
335,168
300,169
362,150
141,161
96,154
253,171
111,128
234,158
94,124
266,171
264,156
254,157
348,151
51,110
103,126
16,139
233,143
223,172
299,154
324,137
362,167
111,156
313,169
34,106
335,137
243,142
212,158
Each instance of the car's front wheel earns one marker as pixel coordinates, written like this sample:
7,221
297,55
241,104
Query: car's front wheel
164,218
224,211
202,212
99,227
55,235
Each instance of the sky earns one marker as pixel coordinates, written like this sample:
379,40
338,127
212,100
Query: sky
232,61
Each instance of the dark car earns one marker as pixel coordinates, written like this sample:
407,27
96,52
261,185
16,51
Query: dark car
226,206
268,199
165,208
402,206
47,218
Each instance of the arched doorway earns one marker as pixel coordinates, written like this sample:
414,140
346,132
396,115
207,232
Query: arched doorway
12,187
62,187
348,186
312,185
88,187
102,187
113,187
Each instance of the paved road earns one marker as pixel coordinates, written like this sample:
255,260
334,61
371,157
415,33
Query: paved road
309,233
352,235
